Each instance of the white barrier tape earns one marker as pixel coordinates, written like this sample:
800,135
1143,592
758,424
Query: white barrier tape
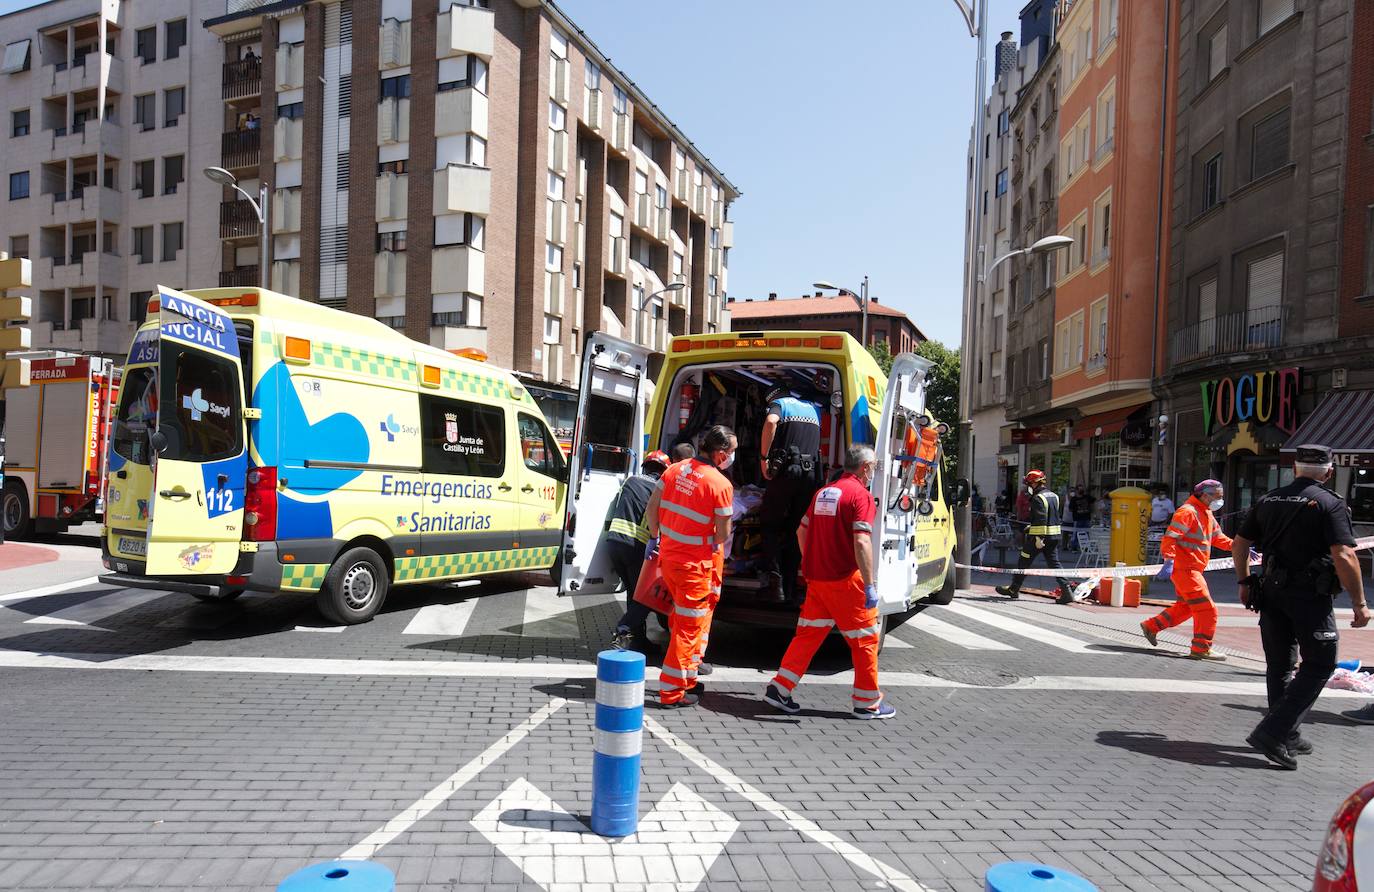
1138,570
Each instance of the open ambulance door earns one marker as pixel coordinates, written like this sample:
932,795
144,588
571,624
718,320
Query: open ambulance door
607,447
199,458
894,532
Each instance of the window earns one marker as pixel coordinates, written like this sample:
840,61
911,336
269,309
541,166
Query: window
173,173
19,246
1272,13
712,285
464,71
553,330
622,101
400,165
461,438
558,43
1368,250
17,57
175,37
19,185
1004,121
556,186
1211,182
1102,228
538,447
291,112
173,104
1106,25
145,179
1214,52
553,257
171,241
1106,120
591,75
145,45
143,244
397,87
558,116
1097,335
83,308
391,241
138,305
1002,182
19,122
459,229
641,182
145,111
477,151
661,196
1206,316
1269,144
1044,359
1068,344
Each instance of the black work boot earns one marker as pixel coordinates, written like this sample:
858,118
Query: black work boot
1008,591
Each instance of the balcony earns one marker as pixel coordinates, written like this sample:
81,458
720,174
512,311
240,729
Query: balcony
86,138
458,111
620,132
241,79
288,139
727,234
466,29
240,149
83,335
682,185
286,276
239,277
1243,332
458,268
389,274
290,66
591,108
393,118
84,74
286,210
617,261
643,212
460,188
237,219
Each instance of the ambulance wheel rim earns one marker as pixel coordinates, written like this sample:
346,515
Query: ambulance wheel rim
359,586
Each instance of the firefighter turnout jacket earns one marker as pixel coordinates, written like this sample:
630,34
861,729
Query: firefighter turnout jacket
625,521
1044,514
1192,534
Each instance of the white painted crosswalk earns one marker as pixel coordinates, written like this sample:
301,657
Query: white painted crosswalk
926,622
442,619
1017,627
90,612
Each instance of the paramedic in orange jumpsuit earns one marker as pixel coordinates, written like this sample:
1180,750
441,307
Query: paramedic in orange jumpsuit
690,510
1187,546
836,538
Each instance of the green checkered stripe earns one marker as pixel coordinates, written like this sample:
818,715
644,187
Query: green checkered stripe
476,563
303,577
378,365
462,381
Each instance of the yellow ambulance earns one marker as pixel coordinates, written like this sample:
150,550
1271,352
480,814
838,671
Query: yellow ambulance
724,378
267,443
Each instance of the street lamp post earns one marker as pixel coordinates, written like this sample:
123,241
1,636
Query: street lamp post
861,299
676,286
260,207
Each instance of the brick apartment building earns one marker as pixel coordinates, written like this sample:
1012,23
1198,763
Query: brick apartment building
819,312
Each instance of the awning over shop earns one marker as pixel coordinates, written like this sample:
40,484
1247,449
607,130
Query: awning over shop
1344,422
1110,422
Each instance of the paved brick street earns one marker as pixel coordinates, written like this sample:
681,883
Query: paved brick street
156,742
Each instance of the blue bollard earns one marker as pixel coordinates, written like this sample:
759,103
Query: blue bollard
340,876
1023,876
619,732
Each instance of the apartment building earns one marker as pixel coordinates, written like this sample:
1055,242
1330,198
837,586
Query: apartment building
474,173
106,129
821,312
998,216
1268,254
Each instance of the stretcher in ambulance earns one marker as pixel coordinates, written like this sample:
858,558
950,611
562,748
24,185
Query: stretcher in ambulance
725,379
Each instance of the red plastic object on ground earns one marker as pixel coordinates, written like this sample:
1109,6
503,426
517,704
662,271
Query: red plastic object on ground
1349,844
1130,592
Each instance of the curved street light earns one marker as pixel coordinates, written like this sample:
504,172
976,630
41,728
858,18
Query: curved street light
225,178
676,286
860,299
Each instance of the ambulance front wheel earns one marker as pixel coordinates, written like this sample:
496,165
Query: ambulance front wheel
354,588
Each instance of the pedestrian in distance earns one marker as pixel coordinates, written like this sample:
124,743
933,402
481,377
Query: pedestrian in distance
789,459
1305,534
691,509
626,536
1161,508
1042,537
836,542
1081,508
1186,548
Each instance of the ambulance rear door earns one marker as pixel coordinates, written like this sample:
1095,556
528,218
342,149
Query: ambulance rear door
607,447
895,547
199,457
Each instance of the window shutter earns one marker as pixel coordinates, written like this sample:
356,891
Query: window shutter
346,21
1207,301
1269,144
342,181
1272,12
1266,283
1217,53
345,95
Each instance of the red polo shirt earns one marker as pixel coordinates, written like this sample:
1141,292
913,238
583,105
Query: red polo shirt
836,513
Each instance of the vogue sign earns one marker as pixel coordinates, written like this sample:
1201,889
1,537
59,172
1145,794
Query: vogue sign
1259,397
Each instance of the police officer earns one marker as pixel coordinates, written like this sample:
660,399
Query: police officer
1304,531
626,537
1042,537
790,455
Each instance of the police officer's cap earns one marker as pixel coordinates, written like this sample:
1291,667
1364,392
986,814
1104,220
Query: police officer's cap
1313,454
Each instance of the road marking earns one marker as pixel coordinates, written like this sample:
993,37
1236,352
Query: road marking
678,840
319,628
891,640
802,824
549,616
18,659
925,622
49,590
1025,630
451,784
92,610
442,619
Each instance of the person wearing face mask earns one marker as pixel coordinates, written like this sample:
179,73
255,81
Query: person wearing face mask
690,510
1186,548
836,540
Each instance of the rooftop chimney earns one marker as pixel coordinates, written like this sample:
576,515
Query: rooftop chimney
1006,54
729,300
772,295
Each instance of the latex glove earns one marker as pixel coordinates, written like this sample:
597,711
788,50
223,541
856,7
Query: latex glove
651,549
1167,570
870,597
1039,542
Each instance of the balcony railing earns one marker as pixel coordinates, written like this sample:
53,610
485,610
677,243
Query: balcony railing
242,78
1258,329
237,219
239,277
240,149
1097,362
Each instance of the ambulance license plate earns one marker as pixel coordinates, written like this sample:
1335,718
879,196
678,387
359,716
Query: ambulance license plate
129,545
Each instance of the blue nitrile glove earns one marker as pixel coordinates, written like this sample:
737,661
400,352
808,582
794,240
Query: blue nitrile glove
1167,570
651,549
870,597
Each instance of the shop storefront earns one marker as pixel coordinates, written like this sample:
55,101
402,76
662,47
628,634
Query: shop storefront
1344,421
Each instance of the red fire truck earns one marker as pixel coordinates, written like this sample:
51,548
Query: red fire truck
55,431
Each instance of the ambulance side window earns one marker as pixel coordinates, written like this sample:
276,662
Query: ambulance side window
461,438
538,447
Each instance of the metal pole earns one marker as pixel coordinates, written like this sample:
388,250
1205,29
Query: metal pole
863,323
264,277
963,518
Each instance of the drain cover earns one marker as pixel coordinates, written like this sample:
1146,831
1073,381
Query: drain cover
965,673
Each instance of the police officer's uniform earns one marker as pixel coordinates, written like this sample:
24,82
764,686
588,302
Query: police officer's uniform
1295,527
794,465
1042,537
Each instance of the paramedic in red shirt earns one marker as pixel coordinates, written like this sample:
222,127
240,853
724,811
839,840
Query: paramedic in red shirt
836,539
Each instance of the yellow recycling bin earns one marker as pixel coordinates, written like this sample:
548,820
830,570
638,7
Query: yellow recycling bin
1130,529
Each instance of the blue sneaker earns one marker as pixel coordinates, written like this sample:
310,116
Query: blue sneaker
881,711
778,700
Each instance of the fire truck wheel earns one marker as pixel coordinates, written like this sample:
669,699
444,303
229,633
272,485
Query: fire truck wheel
14,511
354,588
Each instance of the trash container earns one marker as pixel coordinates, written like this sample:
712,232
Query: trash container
1131,529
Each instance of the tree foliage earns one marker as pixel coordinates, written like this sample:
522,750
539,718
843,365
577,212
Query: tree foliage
883,354
942,387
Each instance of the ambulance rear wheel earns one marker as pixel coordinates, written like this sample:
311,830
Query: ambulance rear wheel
946,592
354,588
14,511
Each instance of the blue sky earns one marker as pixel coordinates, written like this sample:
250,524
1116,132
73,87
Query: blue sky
844,125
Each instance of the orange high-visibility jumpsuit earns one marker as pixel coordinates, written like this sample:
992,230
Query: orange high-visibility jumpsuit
692,494
835,590
1188,542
